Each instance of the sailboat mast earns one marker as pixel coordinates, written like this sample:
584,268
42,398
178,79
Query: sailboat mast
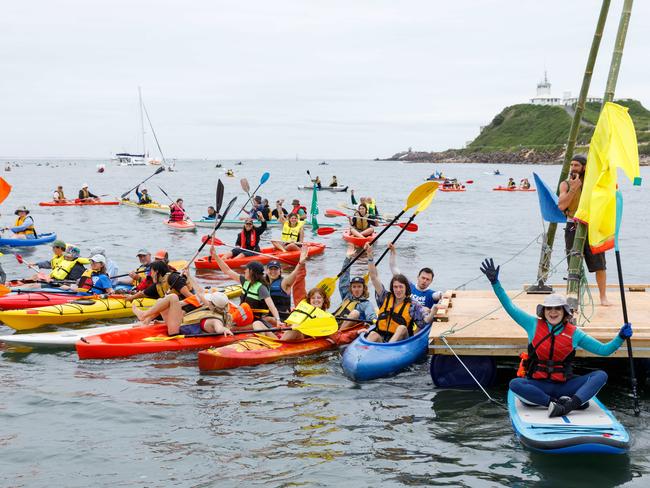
144,149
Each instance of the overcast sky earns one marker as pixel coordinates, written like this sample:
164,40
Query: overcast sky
322,79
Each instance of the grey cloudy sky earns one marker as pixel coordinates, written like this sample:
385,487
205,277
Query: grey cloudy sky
322,79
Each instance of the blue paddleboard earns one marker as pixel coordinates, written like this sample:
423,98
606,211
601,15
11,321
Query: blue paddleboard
593,430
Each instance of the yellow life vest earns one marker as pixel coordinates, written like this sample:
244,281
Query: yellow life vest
361,223
60,194
85,193
291,234
372,207
163,287
390,319
62,269
201,313
29,231
346,307
304,311
56,260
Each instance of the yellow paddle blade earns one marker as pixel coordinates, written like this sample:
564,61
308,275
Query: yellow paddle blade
427,201
318,327
4,290
328,285
420,193
162,338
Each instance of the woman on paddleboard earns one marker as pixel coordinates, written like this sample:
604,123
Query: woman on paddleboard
547,377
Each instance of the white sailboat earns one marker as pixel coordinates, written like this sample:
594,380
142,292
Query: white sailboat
129,159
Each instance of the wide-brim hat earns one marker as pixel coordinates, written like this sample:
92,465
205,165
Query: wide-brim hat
554,300
21,209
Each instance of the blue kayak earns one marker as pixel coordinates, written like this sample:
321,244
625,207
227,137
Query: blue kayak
41,239
593,430
364,360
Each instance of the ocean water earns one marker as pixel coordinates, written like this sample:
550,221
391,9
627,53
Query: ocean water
155,421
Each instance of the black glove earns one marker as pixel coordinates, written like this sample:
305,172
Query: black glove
626,331
488,269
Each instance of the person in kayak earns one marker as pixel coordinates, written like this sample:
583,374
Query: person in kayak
552,341
143,195
248,239
334,183
255,291
58,249
524,184
24,226
317,303
316,181
399,315
140,277
266,210
111,266
58,195
94,281
354,297
281,287
66,265
177,212
210,317
293,233
85,195
511,185
420,291
164,281
368,201
275,213
361,225
296,208
212,214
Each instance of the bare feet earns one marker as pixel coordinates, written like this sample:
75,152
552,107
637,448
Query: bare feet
140,314
604,302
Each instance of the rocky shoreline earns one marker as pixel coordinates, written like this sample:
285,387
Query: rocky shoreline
523,156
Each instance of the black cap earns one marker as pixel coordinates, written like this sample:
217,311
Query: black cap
255,266
273,264
358,279
580,158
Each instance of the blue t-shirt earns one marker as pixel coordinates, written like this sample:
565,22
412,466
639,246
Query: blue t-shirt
426,298
101,283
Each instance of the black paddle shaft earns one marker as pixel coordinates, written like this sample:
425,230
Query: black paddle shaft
399,234
159,170
635,395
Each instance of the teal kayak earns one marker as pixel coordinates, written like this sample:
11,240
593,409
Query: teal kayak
41,239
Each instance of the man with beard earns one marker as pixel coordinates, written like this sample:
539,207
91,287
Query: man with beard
568,200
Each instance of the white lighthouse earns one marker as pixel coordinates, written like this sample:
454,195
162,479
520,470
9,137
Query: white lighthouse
544,96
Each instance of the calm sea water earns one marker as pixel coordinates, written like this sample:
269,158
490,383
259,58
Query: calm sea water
154,421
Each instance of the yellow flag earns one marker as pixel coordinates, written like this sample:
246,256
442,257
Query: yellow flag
613,146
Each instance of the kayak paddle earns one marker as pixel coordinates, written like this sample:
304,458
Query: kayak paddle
265,177
419,193
159,170
245,186
174,203
214,241
316,327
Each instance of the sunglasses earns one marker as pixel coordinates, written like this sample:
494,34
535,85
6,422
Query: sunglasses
557,309
248,223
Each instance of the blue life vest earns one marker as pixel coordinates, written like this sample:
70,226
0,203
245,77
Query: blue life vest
281,299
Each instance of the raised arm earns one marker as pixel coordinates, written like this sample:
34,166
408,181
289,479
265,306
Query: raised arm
225,268
594,346
392,260
372,271
288,281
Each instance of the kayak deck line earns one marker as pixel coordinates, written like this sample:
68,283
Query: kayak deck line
473,323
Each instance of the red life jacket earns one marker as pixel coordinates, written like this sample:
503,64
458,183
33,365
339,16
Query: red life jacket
297,208
176,213
242,240
551,355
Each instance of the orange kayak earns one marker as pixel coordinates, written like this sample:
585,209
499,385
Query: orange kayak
505,188
181,225
78,203
357,241
260,349
267,254
451,189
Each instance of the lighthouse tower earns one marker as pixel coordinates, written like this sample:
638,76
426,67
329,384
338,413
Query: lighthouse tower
544,96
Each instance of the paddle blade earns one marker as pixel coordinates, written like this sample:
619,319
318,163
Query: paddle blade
424,204
331,212
328,285
265,177
5,189
19,258
220,192
245,185
318,327
4,290
323,231
411,227
213,241
469,182
420,193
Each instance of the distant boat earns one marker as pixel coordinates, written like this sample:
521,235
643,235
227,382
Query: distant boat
130,159
323,163
101,168
218,165
239,163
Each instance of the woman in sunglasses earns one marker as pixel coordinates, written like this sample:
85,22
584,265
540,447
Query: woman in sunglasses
248,239
546,377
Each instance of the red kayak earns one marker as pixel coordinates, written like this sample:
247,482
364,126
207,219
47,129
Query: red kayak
154,338
32,299
267,254
505,188
451,189
261,349
181,225
357,241
77,203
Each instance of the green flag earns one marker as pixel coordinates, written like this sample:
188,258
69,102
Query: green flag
314,209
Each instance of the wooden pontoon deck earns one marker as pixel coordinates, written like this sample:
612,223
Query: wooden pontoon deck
494,333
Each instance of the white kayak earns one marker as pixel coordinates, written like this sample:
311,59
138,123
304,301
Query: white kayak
593,430
62,339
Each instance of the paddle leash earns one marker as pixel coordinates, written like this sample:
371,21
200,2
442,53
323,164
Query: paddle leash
619,269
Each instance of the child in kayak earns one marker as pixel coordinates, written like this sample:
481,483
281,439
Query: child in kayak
361,225
94,281
552,341
293,232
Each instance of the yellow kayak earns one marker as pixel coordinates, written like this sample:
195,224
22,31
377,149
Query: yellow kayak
84,309
155,206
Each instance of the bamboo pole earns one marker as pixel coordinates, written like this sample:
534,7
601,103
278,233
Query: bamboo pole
576,254
547,248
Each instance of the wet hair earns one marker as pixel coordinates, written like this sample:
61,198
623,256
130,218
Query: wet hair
160,267
579,158
400,278
426,270
326,299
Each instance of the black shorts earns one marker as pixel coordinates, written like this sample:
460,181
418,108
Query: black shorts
238,250
595,262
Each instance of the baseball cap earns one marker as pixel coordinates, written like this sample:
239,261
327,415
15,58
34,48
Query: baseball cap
59,243
98,258
358,279
142,252
273,264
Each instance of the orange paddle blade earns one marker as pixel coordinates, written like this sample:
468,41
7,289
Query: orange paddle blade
323,231
5,189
